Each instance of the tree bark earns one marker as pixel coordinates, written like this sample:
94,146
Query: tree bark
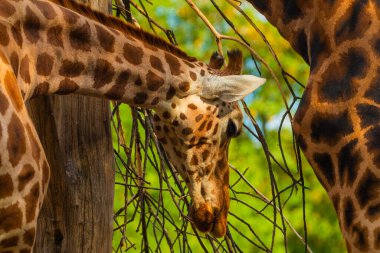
75,131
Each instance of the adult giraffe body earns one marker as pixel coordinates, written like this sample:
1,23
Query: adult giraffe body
63,47
337,122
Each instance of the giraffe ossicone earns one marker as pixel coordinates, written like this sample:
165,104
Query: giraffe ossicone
62,47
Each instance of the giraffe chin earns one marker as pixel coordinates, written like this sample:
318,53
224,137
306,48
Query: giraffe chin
205,220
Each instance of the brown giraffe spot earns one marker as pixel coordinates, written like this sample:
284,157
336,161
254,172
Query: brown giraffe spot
3,103
44,64
360,235
16,144
24,69
193,76
216,129
348,163
71,68
13,91
9,242
104,73
373,93
205,154
376,46
192,106
348,213
353,65
6,188
67,86
170,93
373,136
182,116
155,101
54,36
174,64
184,86
292,10
106,39
202,72
45,175
117,91
46,9
330,127
166,115
154,82
209,125
354,23
14,62
31,201
25,176
326,168
80,38
69,16
376,233
156,118
140,98
118,59
138,81
320,45
163,141
368,189
133,54
16,33
29,236
31,26
156,63
187,131
301,45
373,212
194,160
4,38
10,218
41,89
158,128
202,126
6,9
198,117
173,105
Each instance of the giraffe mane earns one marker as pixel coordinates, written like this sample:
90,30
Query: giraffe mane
124,27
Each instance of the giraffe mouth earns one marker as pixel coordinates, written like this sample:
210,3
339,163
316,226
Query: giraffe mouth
207,219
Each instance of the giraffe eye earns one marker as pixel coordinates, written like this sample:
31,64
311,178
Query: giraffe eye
232,130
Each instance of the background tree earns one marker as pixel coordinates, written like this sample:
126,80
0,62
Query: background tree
75,131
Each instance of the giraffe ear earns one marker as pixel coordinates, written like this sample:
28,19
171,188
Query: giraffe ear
230,88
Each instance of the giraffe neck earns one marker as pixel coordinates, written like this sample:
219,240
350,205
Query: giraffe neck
66,49
337,122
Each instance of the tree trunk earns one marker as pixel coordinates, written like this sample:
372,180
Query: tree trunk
75,131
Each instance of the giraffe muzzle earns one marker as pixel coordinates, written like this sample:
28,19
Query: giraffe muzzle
208,219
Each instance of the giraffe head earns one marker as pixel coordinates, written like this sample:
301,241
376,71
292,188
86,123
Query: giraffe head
195,132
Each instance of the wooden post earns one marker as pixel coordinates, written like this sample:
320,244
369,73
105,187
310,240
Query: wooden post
77,213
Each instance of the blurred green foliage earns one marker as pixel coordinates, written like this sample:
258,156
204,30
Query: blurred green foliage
267,107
